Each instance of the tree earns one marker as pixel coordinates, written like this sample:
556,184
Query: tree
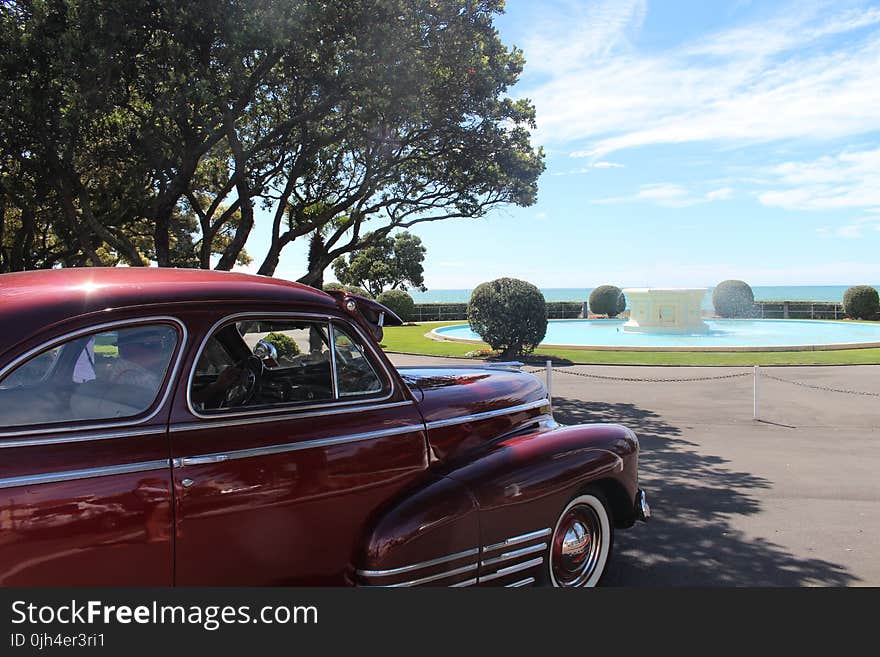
607,300
140,132
390,263
508,314
431,137
861,302
733,298
399,302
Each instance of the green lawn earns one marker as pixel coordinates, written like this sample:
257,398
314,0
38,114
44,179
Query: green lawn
412,340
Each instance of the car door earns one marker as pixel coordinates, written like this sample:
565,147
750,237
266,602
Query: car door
85,475
275,486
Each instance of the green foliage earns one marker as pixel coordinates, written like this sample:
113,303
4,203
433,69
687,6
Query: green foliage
607,300
733,298
351,289
389,262
286,346
509,315
399,302
136,131
861,302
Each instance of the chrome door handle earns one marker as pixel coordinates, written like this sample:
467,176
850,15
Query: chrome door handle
204,460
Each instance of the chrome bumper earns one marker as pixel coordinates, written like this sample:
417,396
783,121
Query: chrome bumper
643,509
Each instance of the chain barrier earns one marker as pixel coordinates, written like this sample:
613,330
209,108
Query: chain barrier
764,374
633,379
825,388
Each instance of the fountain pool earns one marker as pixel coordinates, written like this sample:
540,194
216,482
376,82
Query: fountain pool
722,335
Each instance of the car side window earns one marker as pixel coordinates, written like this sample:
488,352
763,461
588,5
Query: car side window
355,373
259,363
113,374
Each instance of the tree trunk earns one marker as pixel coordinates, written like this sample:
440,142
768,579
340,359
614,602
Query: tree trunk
246,206
317,262
270,262
82,234
165,205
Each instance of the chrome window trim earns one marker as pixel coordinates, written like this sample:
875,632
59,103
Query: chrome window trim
87,473
88,437
507,556
98,328
419,565
516,540
467,582
333,374
476,417
280,417
297,446
289,409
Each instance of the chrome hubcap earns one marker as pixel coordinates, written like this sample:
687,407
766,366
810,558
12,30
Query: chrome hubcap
576,546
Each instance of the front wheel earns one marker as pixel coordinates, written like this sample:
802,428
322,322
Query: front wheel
581,543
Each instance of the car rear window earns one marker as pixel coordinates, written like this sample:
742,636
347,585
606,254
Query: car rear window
112,374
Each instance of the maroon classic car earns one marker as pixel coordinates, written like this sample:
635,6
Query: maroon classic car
162,427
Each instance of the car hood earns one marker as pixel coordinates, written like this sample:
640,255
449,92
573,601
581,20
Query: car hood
464,407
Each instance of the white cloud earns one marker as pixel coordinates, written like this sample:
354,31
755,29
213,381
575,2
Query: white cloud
589,167
757,82
588,31
670,195
854,230
848,180
666,194
721,194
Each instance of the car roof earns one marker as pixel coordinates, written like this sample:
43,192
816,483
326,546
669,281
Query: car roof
33,300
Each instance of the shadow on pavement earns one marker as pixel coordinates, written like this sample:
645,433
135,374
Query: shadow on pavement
690,540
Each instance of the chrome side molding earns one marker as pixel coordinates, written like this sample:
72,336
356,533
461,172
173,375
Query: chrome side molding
436,424
86,473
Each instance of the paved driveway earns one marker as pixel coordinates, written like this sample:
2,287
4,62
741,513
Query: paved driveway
793,500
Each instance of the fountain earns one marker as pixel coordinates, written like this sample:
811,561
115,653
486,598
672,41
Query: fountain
670,319
667,310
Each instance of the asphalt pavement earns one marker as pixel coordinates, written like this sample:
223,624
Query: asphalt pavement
792,499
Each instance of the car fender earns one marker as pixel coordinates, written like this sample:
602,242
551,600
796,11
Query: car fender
522,482
430,535
514,488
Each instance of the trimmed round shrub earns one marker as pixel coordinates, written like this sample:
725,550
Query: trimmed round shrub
509,314
351,289
861,302
733,299
286,345
607,300
399,302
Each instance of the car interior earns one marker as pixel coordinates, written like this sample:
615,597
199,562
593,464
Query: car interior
230,375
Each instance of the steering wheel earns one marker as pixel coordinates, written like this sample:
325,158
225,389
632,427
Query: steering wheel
246,386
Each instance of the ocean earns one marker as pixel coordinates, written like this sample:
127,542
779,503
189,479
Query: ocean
762,293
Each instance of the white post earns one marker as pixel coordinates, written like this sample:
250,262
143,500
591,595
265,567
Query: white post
548,373
757,381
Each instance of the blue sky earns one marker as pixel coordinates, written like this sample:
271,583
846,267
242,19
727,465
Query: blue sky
687,142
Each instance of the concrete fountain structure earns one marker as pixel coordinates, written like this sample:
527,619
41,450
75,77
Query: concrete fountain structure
666,310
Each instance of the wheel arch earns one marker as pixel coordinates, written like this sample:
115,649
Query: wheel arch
620,503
